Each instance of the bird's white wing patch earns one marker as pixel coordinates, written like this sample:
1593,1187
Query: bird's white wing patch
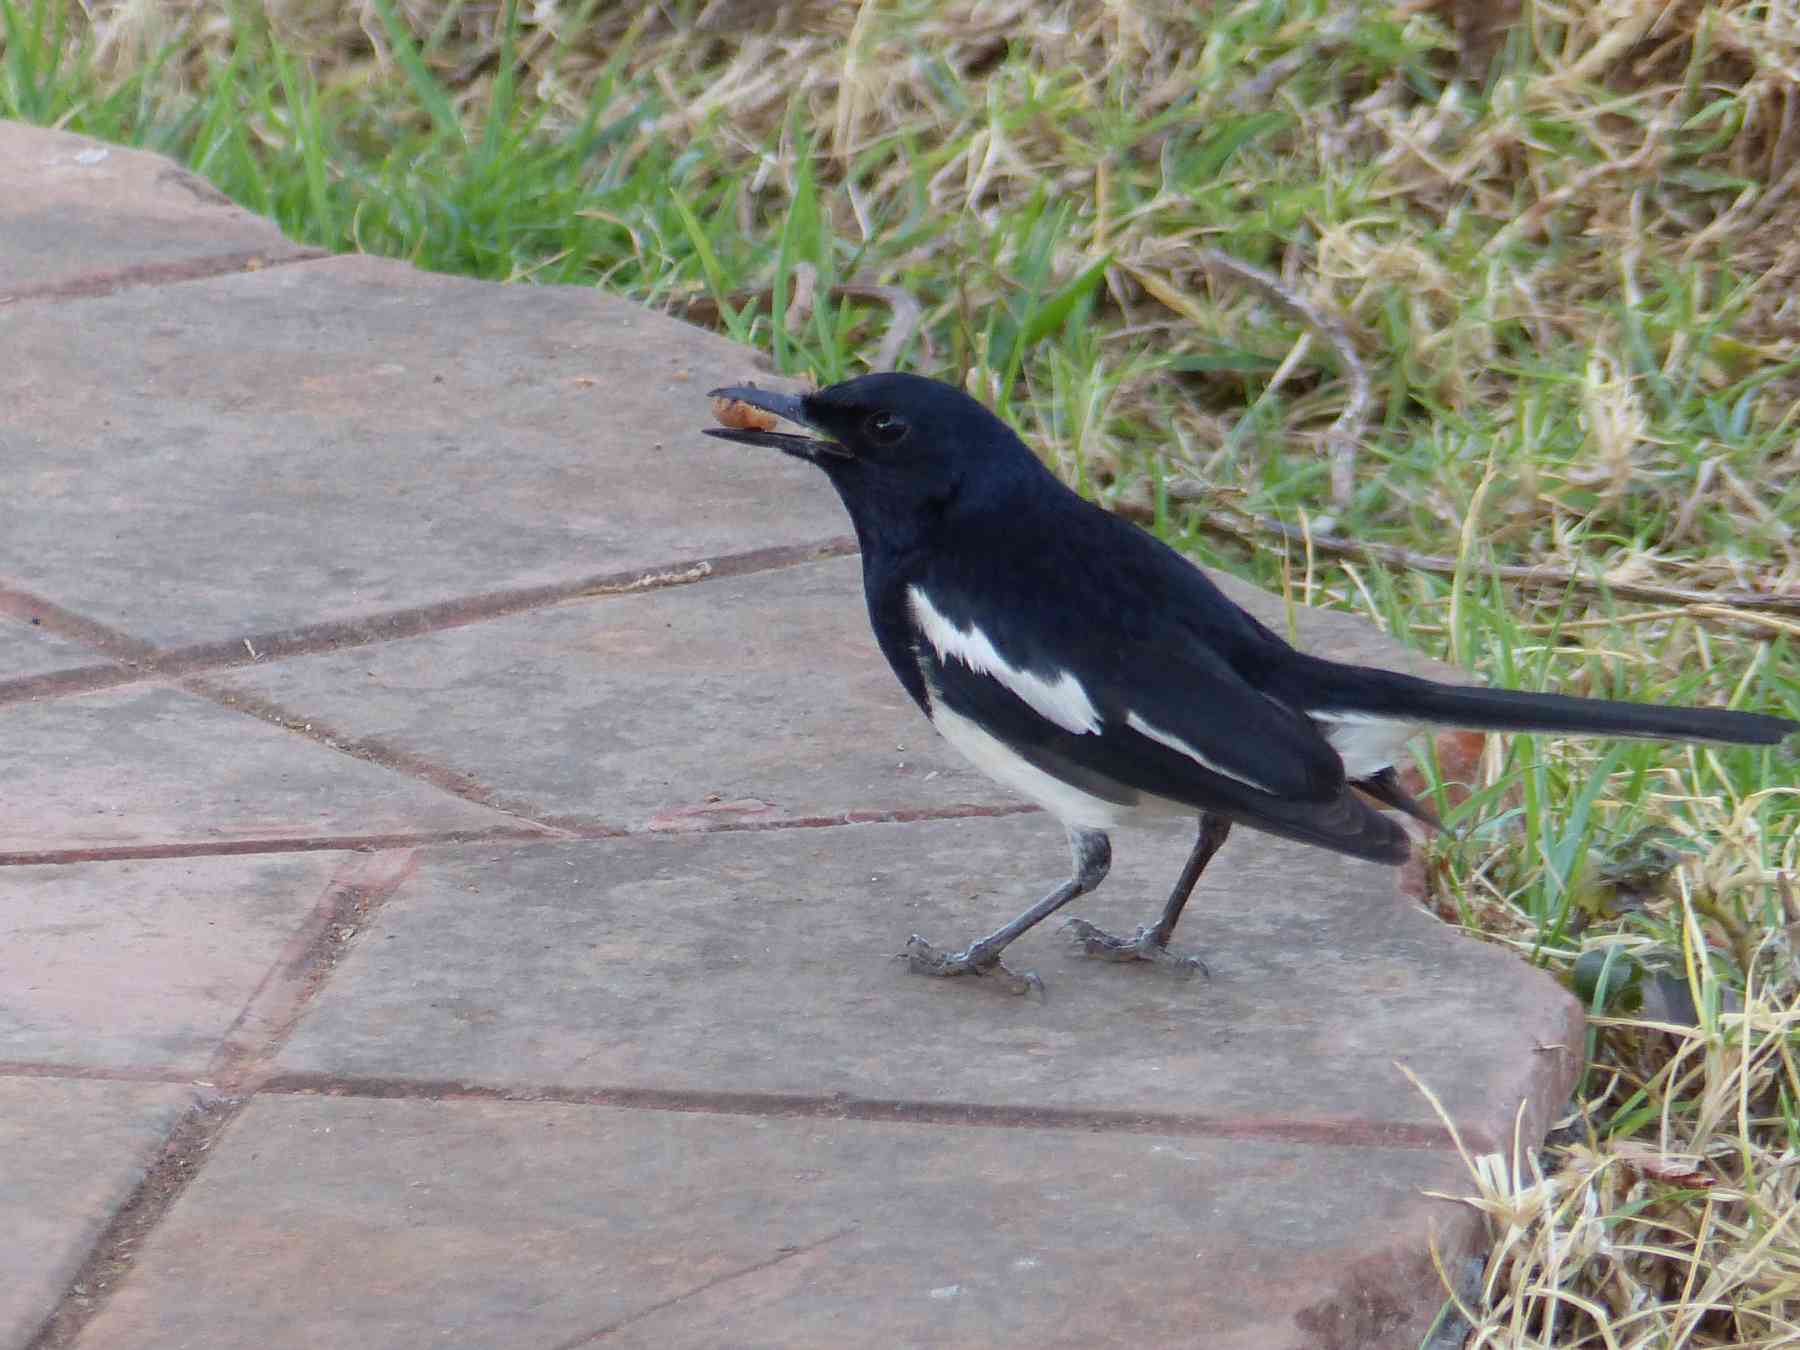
1181,747
1062,700
1366,742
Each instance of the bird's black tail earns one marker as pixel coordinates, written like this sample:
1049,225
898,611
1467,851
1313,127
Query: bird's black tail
1359,690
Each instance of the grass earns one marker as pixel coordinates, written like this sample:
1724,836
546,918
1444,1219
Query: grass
1562,254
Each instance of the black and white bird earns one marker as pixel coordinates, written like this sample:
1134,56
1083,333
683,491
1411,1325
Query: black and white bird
1084,664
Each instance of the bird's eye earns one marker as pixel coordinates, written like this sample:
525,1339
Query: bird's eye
884,428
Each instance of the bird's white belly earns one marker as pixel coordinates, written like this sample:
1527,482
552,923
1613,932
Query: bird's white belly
1065,801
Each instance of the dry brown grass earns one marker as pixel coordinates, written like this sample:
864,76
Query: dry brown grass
1679,1229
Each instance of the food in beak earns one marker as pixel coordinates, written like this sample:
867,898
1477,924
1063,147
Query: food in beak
742,416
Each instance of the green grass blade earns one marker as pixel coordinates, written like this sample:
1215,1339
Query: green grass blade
431,94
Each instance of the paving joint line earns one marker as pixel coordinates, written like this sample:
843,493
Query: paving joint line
237,1070
562,829
69,681
138,661
800,1106
95,1073
593,827
97,284
331,843
882,1110
110,1258
358,889
41,612
371,750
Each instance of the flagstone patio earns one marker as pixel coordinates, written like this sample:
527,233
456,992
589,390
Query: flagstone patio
455,829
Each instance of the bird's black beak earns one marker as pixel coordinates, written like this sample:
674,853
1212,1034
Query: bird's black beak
788,407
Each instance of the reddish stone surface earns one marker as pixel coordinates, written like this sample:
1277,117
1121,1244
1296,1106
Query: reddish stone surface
70,1154
80,217
420,1224
378,617
345,437
143,964
743,700
686,965
149,766
28,649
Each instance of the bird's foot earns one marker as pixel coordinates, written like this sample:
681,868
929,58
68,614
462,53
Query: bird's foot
924,959
1142,946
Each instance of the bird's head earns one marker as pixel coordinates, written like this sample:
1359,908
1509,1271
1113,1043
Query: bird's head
889,440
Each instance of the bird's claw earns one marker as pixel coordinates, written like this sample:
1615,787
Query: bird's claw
1141,946
924,959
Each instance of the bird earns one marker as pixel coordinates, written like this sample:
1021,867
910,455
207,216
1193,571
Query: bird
1084,664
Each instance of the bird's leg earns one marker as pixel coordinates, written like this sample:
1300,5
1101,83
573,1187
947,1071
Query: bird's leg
1151,941
1093,855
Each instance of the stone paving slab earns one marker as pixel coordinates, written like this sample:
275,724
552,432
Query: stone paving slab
143,964
149,765
70,1153
764,693
321,1221
28,649
337,438
759,962
78,215
744,699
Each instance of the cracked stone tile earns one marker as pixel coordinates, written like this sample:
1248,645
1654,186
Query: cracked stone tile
325,1221
761,962
75,211
28,649
71,1152
333,439
152,765
143,963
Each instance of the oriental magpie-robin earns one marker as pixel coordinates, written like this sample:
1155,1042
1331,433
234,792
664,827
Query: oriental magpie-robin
1086,665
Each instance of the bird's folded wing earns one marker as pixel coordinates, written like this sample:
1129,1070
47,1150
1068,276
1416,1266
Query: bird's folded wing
1156,710
1220,752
